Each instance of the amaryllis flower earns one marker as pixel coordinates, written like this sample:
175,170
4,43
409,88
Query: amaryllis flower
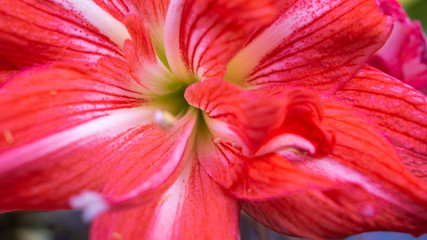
404,55
164,119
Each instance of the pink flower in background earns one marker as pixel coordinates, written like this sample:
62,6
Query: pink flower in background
164,119
404,55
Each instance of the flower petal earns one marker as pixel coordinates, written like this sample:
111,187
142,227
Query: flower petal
202,36
263,177
245,129
59,137
313,43
35,32
160,158
6,70
399,110
153,12
260,124
330,215
143,63
194,207
96,16
404,55
363,157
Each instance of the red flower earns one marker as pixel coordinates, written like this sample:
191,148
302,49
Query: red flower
171,117
404,55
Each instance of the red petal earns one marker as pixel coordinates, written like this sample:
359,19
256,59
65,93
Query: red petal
330,215
146,173
153,11
399,111
243,127
143,63
194,207
313,43
404,55
59,132
202,36
138,49
267,176
361,156
35,32
6,71
260,124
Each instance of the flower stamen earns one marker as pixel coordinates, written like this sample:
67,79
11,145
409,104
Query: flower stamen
164,119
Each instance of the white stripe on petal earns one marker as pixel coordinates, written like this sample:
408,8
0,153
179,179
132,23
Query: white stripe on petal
171,205
338,172
99,18
301,14
101,127
172,36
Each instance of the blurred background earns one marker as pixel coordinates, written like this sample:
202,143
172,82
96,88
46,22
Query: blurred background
417,9
67,225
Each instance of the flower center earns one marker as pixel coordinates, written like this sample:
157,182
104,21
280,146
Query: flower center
174,103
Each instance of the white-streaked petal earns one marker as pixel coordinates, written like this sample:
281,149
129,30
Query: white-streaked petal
172,35
269,39
99,18
114,123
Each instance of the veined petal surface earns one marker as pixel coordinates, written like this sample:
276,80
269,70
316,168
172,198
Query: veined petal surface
202,36
244,130
361,156
36,32
153,12
194,207
313,44
161,156
59,137
261,124
399,110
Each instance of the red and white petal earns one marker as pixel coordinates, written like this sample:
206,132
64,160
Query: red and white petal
202,36
35,32
361,146
59,136
146,173
330,215
399,110
46,100
97,17
143,63
263,177
362,157
194,207
243,132
153,12
313,44
260,124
